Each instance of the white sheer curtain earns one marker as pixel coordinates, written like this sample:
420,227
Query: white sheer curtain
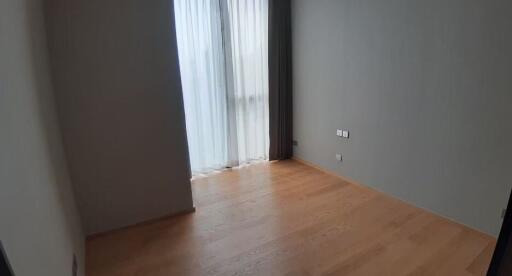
223,57
248,27
201,56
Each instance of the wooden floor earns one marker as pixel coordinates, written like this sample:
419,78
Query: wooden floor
286,218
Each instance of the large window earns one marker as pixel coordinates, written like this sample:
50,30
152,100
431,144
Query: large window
224,69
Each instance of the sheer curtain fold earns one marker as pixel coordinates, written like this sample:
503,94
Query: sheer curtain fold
223,55
248,20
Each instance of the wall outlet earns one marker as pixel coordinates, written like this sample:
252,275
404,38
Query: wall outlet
342,133
295,143
338,157
345,134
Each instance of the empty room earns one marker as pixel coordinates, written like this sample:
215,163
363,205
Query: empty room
255,137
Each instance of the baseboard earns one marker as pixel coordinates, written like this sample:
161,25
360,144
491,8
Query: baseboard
353,182
142,223
345,179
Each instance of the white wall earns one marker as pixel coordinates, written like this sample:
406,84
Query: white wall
425,88
119,95
39,224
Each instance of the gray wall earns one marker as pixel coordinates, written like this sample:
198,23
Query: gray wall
425,88
39,222
119,96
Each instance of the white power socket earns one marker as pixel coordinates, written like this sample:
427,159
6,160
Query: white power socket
342,133
345,134
338,157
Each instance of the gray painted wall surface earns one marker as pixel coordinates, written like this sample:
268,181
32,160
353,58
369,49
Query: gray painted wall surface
425,89
39,223
119,96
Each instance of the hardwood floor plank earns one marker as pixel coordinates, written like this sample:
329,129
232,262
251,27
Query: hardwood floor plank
286,218
481,262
